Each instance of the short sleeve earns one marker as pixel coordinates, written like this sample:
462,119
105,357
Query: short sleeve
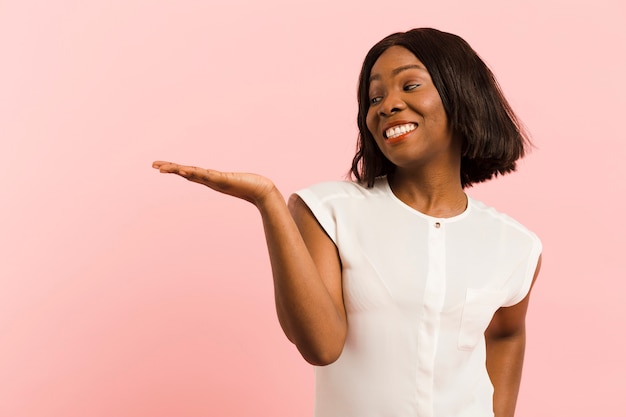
319,200
526,270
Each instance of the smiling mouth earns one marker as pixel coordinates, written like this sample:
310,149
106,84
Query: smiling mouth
394,132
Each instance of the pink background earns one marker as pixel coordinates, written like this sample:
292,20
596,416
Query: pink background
126,293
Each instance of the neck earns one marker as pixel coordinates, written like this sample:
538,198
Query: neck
436,194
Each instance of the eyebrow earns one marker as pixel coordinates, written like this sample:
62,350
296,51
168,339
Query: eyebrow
398,70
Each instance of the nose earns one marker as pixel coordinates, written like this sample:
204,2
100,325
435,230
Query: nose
391,104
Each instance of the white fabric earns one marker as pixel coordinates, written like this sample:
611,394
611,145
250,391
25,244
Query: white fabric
419,292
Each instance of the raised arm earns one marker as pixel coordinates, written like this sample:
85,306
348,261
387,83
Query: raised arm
506,342
305,263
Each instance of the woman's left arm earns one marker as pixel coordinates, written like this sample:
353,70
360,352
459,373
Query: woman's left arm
506,340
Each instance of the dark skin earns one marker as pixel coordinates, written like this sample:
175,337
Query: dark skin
506,340
408,121
305,263
427,177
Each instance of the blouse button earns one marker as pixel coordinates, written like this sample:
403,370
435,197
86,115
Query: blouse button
437,225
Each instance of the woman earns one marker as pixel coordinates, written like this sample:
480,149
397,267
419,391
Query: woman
409,295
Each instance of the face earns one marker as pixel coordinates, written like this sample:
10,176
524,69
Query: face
406,116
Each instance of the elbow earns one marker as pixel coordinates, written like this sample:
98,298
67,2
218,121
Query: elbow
321,356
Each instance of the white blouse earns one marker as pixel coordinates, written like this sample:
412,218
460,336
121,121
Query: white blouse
419,292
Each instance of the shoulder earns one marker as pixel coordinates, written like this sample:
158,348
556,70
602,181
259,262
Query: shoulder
327,191
335,202
498,222
515,249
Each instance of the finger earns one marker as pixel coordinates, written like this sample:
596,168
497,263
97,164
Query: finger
164,166
209,177
188,171
168,167
158,164
199,175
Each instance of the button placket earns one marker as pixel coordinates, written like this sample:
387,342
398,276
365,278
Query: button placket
429,326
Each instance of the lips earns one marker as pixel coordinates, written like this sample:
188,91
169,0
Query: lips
398,130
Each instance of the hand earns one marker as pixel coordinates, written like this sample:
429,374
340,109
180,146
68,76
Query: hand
250,187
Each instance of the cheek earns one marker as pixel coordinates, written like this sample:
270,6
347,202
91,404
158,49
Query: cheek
436,111
370,121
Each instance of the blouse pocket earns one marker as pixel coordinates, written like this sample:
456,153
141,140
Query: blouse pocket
480,306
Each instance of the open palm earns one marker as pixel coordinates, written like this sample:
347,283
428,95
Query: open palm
250,187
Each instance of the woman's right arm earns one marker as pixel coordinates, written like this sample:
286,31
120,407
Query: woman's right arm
305,263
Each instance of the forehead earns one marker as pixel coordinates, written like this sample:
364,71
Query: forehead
393,59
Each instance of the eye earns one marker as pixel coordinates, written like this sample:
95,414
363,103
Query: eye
410,87
375,100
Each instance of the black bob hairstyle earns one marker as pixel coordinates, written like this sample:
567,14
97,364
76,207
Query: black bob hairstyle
493,138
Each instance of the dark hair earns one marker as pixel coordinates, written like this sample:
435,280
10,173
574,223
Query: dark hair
492,136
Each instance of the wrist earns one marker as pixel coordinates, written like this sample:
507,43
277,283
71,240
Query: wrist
269,199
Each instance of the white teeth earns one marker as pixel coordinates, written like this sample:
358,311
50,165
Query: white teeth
396,131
